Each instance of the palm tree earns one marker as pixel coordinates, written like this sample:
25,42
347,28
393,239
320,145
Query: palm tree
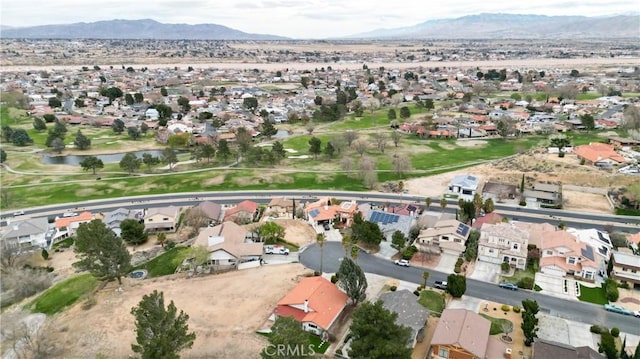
427,201
320,238
425,276
346,243
354,253
443,203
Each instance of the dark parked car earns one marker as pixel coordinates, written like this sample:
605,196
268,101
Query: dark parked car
507,285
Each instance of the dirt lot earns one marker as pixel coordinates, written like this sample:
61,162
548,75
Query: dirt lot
225,311
536,167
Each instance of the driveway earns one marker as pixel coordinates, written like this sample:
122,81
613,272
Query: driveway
554,286
333,235
486,272
447,263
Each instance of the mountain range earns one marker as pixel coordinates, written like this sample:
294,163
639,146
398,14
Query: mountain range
482,26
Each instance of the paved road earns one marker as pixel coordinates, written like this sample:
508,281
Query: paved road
576,311
572,219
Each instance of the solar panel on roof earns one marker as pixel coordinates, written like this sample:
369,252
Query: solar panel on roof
462,229
314,213
588,252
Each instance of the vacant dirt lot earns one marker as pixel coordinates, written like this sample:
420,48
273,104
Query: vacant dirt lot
225,311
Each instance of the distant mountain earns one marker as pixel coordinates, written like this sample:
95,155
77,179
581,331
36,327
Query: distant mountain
503,26
134,29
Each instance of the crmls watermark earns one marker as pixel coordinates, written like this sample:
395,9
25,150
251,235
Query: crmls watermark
284,350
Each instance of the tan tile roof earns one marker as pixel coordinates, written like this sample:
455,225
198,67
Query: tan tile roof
463,328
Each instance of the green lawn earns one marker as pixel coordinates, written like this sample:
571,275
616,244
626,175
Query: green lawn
496,324
593,295
64,294
319,346
518,275
166,263
433,301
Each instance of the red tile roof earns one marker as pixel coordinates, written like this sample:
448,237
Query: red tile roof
325,302
595,152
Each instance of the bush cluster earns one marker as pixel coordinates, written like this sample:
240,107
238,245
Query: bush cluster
611,288
409,252
458,267
505,308
525,283
516,309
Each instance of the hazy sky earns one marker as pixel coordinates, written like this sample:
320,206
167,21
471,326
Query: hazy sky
293,18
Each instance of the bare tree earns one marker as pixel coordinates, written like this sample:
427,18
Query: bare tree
396,99
10,256
196,218
350,136
360,146
370,178
338,143
401,164
20,283
347,164
366,164
631,117
568,91
309,127
27,336
395,137
372,104
381,141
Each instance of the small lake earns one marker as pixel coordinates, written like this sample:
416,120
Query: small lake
75,160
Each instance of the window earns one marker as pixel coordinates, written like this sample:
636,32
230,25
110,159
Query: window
549,253
490,250
571,260
165,219
634,271
515,246
442,352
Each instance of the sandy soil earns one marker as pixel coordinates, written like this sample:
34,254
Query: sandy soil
575,200
223,313
297,231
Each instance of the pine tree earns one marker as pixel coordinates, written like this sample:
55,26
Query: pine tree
161,333
352,280
101,252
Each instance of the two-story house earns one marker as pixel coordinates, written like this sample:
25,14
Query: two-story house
229,246
626,268
503,243
162,219
562,254
67,226
446,236
26,233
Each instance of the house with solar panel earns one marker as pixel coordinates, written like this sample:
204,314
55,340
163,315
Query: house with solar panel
446,236
391,222
562,254
464,187
323,212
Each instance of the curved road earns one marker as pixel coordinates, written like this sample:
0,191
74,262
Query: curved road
572,310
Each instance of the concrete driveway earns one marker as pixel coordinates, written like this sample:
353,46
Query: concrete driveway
554,286
486,272
447,263
333,235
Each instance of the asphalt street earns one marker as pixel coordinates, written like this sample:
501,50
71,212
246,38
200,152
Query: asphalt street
571,310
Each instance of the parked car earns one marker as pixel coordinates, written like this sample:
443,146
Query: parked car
402,262
636,314
617,309
270,249
327,227
440,284
69,214
507,285
18,213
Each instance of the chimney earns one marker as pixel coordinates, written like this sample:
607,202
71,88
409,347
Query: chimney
306,306
507,353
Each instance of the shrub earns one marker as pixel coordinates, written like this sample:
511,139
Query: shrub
611,288
596,329
560,154
522,203
409,252
582,161
457,269
505,308
416,293
45,254
525,283
169,245
516,309
504,266
615,332
334,278
459,262
624,285
393,288
89,303
317,274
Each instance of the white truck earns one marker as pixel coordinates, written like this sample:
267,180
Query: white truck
271,249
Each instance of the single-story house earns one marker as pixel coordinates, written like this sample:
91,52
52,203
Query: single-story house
599,154
545,349
212,210
464,186
26,233
322,211
410,313
162,219
463,334
244,212
229,245
623,143
389,223
315,302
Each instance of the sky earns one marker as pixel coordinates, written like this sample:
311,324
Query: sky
300,19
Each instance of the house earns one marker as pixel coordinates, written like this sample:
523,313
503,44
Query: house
623,143
389,223
229,246
498,192
280,207
410,313
492,218
634,241
244,212
547,194
597,239
446,236
114,218
464,186
562,254
599,154
322,211
162,219
626,268
26,233
503,243
315,302
544,349
212,210
463,334
67,226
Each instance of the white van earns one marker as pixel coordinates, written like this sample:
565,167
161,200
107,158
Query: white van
69,214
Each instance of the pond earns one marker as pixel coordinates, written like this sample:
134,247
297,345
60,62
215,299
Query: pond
75,160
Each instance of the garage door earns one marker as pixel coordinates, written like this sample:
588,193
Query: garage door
553,271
